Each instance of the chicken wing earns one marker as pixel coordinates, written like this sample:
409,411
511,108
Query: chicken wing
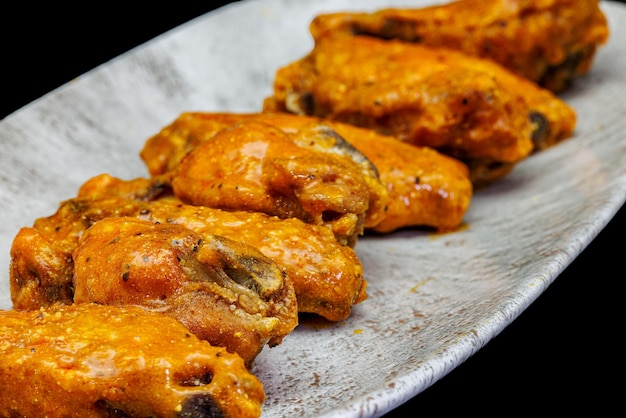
426,188
225,292
470,108
549,42
92,360
327,276
308,175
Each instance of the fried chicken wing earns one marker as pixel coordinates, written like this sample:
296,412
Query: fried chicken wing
223,291
257,167
426,187
469,108
92,360
549,42
327,276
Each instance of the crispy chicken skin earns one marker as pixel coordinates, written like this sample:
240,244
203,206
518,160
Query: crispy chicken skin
223,291
469,108
256,167
550,42
327,276
89,360
426,187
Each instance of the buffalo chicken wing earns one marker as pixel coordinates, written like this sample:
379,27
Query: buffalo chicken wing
309,175
327,276
89,360
470,108
549,42
425,187
223,291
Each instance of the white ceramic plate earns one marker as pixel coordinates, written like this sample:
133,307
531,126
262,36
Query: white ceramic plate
433,301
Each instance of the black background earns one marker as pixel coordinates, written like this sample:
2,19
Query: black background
563,354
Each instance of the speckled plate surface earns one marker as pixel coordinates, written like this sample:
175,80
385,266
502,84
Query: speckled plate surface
434,300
